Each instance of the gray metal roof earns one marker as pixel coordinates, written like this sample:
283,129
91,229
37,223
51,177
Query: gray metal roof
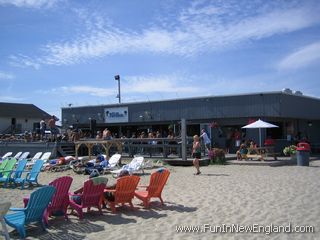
264,104
21,110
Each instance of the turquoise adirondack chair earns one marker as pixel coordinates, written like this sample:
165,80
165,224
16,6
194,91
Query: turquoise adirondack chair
31,177
11,175
8,168
33,212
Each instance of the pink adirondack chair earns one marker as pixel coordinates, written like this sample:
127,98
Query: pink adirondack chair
60,200
90,197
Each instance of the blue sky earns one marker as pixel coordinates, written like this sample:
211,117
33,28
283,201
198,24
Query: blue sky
59,52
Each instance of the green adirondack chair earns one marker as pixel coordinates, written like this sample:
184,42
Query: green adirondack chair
9,167
3,165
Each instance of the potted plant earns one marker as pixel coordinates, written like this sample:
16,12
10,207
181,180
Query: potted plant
290,151
217,156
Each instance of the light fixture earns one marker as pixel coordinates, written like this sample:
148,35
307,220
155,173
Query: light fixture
117,78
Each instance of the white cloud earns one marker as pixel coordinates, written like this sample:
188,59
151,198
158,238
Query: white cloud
24,61
93,91
303,57
200,28
158,84
11,99
30,3
131,85
6,76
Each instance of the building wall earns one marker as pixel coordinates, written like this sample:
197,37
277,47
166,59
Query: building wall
22,124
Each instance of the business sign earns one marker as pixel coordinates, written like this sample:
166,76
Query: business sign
116,115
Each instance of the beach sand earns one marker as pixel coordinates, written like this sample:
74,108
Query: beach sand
221,195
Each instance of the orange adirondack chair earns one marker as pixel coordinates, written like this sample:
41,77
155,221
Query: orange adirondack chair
157,181
90,196
124,192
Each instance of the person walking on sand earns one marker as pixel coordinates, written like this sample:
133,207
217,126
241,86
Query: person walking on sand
196,153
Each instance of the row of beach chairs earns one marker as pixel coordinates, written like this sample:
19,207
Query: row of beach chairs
136,165
54,199
25,155
13,172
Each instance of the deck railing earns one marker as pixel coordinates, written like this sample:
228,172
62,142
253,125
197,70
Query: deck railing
145,146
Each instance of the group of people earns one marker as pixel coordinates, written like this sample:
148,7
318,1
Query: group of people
92,166
250,147
49,124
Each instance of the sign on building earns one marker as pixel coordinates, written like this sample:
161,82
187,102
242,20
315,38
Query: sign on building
116,115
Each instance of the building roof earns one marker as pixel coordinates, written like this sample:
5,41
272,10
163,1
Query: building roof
196,98
254,105
21,110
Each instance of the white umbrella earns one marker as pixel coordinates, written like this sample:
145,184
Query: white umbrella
260,124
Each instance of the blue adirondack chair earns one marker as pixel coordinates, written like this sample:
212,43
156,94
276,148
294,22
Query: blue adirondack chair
33,212
14,174
32,176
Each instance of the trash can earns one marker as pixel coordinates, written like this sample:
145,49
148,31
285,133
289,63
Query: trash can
303,154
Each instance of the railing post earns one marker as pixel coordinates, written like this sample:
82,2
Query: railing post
183,139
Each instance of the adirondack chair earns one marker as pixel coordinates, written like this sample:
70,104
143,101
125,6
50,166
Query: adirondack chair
60,200
45,157
136,165
124,191
157,181
90,196
5,156
113,163
33,212
7,177
8,167
3,164
4,207
31,177
24,155
18,154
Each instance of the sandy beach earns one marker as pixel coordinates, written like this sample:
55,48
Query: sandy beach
245,196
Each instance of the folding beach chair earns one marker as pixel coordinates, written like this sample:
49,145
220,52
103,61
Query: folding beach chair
113,163
136,165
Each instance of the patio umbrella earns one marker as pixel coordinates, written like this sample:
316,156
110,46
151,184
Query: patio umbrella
260,124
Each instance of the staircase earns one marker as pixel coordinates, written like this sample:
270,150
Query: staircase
66,149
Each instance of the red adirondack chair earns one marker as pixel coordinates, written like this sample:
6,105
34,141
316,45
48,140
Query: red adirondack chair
90,196
157,181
